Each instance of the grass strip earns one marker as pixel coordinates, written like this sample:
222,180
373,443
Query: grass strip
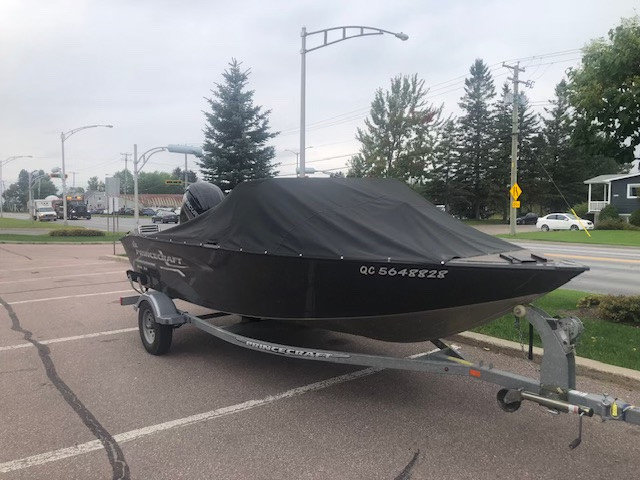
627,238
607,342
10,238
25,224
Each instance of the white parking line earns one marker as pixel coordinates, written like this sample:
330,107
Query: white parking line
62,265
50,299
182,422
69,339
62,276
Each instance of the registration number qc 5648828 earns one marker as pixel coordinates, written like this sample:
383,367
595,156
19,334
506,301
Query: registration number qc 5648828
370,270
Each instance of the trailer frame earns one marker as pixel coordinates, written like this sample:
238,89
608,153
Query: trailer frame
556,389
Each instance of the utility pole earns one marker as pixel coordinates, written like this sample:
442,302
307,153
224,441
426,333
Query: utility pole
514,141
186,179
74,178
126,158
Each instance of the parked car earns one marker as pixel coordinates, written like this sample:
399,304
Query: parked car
165,217
562,221
149,212
96,211
126,211
528,219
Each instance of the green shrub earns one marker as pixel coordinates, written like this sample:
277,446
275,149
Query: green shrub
581,209
609,212
620,309
76,232
614,308
634,219
589,301
615,225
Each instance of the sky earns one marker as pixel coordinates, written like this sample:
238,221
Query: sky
147,66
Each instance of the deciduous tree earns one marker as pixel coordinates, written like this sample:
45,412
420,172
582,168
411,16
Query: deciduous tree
394,140
605,92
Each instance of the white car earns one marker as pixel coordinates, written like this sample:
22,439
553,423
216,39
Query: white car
562,221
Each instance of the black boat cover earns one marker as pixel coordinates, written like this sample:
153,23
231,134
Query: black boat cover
333,218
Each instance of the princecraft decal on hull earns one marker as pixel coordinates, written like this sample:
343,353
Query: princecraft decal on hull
172,263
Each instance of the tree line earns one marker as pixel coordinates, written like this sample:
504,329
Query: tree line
591,127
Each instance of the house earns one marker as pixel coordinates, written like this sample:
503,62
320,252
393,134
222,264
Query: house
620,190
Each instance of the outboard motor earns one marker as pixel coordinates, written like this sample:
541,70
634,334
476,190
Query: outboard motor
199,197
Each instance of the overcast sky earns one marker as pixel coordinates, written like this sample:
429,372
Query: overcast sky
146,66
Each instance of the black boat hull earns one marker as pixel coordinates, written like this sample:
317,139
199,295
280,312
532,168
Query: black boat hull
385,300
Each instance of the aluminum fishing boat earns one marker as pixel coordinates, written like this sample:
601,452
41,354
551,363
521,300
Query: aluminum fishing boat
368,257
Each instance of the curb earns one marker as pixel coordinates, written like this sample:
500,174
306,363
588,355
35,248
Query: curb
584,366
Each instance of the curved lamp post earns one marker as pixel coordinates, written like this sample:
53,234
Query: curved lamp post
4,162
144,158
348,32
297,154
63,137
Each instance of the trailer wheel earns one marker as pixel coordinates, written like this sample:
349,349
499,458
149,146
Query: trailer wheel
155,337
507,407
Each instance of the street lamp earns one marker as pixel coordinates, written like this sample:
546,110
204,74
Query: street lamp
63,137
4,162
296,154
348,32
144,158
31,182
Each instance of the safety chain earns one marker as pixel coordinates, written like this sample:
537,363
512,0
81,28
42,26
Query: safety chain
516,324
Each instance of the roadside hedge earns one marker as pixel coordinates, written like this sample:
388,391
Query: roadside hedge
615,225
76,232
609,212
614,308
634,219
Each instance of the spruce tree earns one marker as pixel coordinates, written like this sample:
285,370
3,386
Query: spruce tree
477,138
236,133
560,157
442,167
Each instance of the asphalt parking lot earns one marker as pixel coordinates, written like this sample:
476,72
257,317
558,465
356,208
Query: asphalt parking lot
81,399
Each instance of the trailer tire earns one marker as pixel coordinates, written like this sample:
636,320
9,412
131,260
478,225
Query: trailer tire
156,338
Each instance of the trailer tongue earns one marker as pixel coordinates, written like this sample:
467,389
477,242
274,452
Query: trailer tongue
555,390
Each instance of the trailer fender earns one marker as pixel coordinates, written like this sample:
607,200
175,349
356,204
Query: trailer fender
163,307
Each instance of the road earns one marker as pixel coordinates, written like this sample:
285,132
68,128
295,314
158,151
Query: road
124,224
81,399
613,270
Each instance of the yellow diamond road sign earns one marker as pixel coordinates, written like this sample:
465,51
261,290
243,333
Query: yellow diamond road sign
515,191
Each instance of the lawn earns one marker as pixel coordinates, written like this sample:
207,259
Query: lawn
611,343
628,238
17,223
10,238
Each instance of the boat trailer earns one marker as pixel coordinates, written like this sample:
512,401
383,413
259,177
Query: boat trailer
158,316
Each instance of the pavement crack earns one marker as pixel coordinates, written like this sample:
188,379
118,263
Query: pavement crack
117,461
405,474
4,249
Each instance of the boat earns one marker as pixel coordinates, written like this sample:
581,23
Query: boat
368,257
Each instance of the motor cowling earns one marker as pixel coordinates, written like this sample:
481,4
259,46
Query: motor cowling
199,197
